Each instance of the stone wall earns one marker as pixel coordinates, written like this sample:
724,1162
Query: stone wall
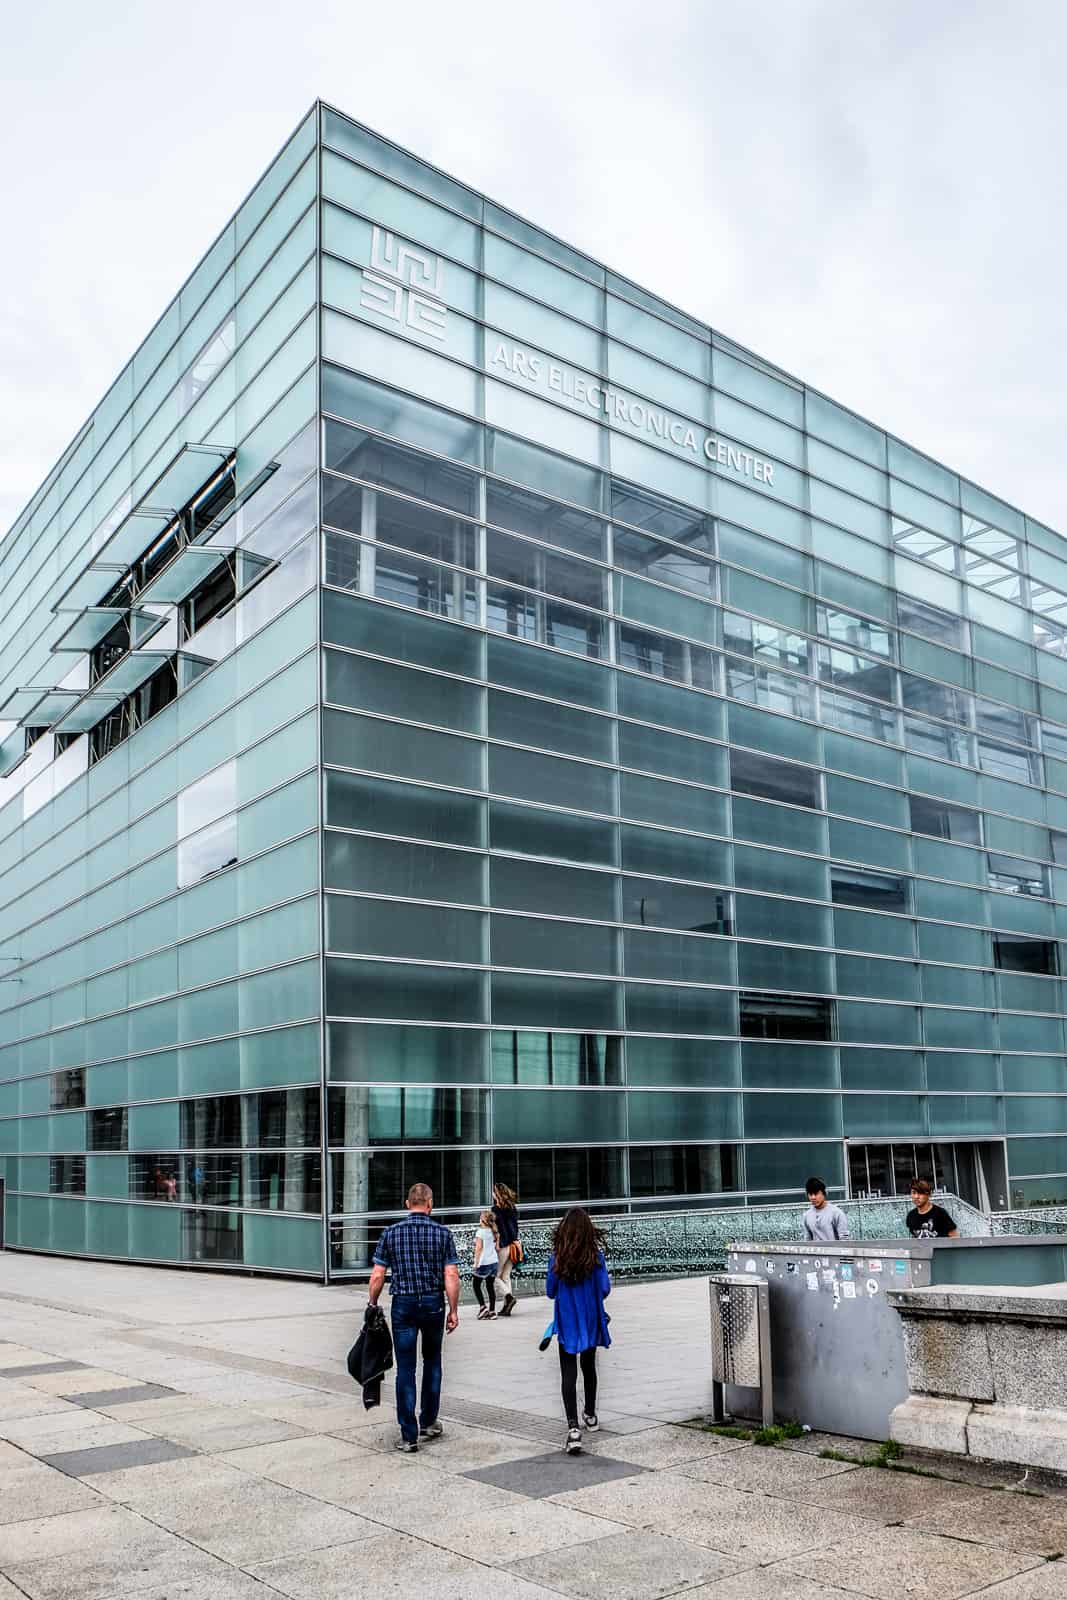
987,1370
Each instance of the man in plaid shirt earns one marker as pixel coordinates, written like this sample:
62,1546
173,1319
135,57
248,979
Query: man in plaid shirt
420,1255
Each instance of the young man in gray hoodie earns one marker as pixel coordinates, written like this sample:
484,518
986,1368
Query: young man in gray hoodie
823,1220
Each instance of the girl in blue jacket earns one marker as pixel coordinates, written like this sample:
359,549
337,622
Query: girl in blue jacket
579,1284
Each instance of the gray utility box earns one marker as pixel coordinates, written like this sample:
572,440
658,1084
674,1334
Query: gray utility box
837,1346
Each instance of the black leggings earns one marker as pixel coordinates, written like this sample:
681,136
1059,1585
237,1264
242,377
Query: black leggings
479,1293
568,1368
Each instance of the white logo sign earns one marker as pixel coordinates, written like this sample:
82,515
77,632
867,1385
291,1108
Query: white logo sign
405,285
583,391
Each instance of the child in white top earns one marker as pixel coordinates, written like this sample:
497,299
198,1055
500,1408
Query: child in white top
486,1261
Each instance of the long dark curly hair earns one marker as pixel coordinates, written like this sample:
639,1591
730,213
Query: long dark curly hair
576,1245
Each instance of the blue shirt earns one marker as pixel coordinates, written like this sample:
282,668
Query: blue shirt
416,1252
581,1321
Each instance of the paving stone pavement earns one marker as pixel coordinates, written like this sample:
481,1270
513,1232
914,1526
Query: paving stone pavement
176,1436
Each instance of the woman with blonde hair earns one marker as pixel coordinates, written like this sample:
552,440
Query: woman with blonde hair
505,1203
486,1264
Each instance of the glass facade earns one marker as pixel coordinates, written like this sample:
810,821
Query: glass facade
461,719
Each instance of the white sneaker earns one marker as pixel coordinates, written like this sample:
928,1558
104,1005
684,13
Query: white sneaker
573,1442
589,1422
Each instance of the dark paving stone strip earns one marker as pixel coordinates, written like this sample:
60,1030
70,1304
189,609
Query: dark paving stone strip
121,1397
539,1476
39,1368
110,1457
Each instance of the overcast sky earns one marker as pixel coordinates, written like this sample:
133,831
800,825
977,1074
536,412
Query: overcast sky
869,193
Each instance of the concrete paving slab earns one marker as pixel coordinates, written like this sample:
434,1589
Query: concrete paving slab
462,1449
124,1395
810,1444
1007,1520
167,1483
774,1471
641,1501
96,1555
17,1404
257,1521
38,1368
145,1412
886,1496
46,1436
212,1436
756,1527
622,1422
918,1563
554,1472
74,1376
144,1452
523,1529
768,1583
298,1463
667,1446
34,1490
322,1413
353,1478
422,1504
387,1565
1040,1583
626,1566
229,1584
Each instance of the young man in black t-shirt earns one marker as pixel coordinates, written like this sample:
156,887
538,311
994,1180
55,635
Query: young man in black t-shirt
925,1220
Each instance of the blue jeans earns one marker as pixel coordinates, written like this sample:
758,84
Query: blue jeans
415,1314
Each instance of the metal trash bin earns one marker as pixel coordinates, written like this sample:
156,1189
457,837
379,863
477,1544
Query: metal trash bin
740,1340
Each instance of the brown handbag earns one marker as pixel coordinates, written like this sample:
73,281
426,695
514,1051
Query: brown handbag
515,1251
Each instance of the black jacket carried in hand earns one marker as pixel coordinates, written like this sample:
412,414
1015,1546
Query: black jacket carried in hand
371,1356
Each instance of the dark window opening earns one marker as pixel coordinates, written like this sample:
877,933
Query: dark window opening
212,503
282,1117
1013,953
112,647
943,821
773,780
66,1175
212,597
106,1129
110,733
770,1016
562,1177
872,891
212,1123
159,691
683,1169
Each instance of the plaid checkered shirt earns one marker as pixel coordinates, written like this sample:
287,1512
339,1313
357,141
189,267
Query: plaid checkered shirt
416,1252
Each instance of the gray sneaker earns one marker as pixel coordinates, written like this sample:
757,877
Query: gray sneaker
573,1442
434,1431
407,1447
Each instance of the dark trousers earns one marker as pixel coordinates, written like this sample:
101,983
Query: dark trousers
415,1315
568,1368
482,1285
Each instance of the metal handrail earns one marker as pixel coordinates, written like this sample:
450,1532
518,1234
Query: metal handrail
665,1243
